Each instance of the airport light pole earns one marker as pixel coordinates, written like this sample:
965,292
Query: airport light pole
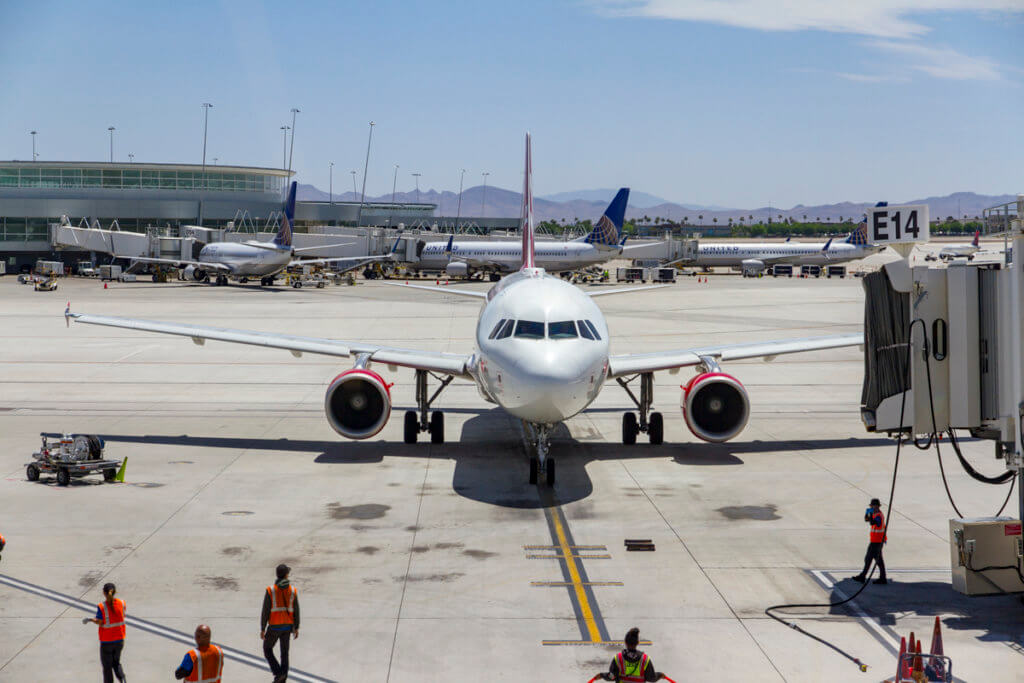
33,134
292,150
111,129
330,191
483,200
458,211
284,145
131,158
366,167
215,159
417,177
355,190
206,119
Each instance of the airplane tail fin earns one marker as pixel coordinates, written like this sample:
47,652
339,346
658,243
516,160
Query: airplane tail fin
448,247
828,244
608,230
283,238
526,218
976,242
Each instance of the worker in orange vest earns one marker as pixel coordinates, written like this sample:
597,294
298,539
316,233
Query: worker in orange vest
3,542
110,619
279,620
873,516
205,663
631,664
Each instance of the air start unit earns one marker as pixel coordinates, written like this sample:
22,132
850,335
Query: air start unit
944,351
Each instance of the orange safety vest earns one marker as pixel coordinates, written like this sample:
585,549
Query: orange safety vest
878,532
632,671
3,541
282,605
112,627
207,664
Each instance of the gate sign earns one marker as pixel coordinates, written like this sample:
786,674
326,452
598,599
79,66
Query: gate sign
894,224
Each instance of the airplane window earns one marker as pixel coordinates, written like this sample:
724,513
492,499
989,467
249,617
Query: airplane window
592,329
507,330
528,329
562,330
584,330
497,328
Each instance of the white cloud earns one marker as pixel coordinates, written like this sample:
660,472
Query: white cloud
877,18
872,78
942,62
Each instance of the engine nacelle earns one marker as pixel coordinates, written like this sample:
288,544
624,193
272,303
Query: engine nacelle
195,274
358,403
716,406
457,269
751,267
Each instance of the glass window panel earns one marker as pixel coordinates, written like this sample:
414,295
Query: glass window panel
565,329
592,329
29,177
90,178
507,330
529,329
150,179
168,181
184,180
497,329
50,178
8,177
111,178
131,179
71,177
585,331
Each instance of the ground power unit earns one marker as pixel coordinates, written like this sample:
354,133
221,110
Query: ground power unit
986,555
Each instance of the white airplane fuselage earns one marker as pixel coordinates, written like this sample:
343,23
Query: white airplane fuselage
508,256
548,379
799,253
247,260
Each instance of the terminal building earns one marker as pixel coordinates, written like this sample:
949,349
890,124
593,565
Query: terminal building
35,195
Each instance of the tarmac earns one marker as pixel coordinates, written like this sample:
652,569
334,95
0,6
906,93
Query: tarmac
440,562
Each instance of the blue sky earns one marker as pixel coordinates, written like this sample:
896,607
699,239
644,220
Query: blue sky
731,102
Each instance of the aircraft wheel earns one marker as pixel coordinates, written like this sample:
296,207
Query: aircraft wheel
629,428
32,473
437,427
495,277
412,426
534,468
63,477
244,280
549,471
656,429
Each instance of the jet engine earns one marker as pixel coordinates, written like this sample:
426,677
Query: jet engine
751,267
358,403
457,269
195,274
716,406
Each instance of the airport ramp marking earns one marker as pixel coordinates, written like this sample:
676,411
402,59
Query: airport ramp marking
156,629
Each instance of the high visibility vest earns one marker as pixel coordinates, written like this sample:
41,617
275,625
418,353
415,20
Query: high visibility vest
112,626
282,605
207,664
632,671
878,531
3,541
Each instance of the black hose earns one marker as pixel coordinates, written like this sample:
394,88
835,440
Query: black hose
1000,479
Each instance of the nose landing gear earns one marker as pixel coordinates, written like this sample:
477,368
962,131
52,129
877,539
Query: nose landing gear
538,437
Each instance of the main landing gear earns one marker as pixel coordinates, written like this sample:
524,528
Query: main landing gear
538,437
266,281
650,422
416,423
221,280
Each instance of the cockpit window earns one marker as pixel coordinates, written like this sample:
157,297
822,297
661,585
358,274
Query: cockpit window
592,329
584,330
497,328
562,330
506,331
528,329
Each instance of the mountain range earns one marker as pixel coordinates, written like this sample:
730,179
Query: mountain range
590,204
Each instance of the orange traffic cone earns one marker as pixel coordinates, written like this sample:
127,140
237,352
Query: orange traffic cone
937,664
104,285
918,673
900,668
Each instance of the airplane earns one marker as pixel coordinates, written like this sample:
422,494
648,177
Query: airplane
252,259
968,250
756,256
467,258
542,354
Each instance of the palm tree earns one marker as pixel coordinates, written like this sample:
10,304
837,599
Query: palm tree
701,218
805,218
715,220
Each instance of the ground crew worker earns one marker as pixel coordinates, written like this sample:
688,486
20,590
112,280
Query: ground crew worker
3,542
631,664
110,619
205,664
279,620
873,516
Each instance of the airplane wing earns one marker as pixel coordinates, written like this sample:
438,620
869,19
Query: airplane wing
441,290
622,290
179,262
631,364
337,259
447,363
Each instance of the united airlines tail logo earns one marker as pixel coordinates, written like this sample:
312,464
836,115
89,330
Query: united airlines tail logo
604,232
860,235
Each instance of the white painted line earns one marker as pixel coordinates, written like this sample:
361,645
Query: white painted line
865,619
156,629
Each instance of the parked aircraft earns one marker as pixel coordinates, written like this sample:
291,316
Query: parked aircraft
252,259
756,256
466,258
968,250
542,354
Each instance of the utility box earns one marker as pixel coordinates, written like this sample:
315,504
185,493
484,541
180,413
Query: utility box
630,274
986,555
110,272
663,274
